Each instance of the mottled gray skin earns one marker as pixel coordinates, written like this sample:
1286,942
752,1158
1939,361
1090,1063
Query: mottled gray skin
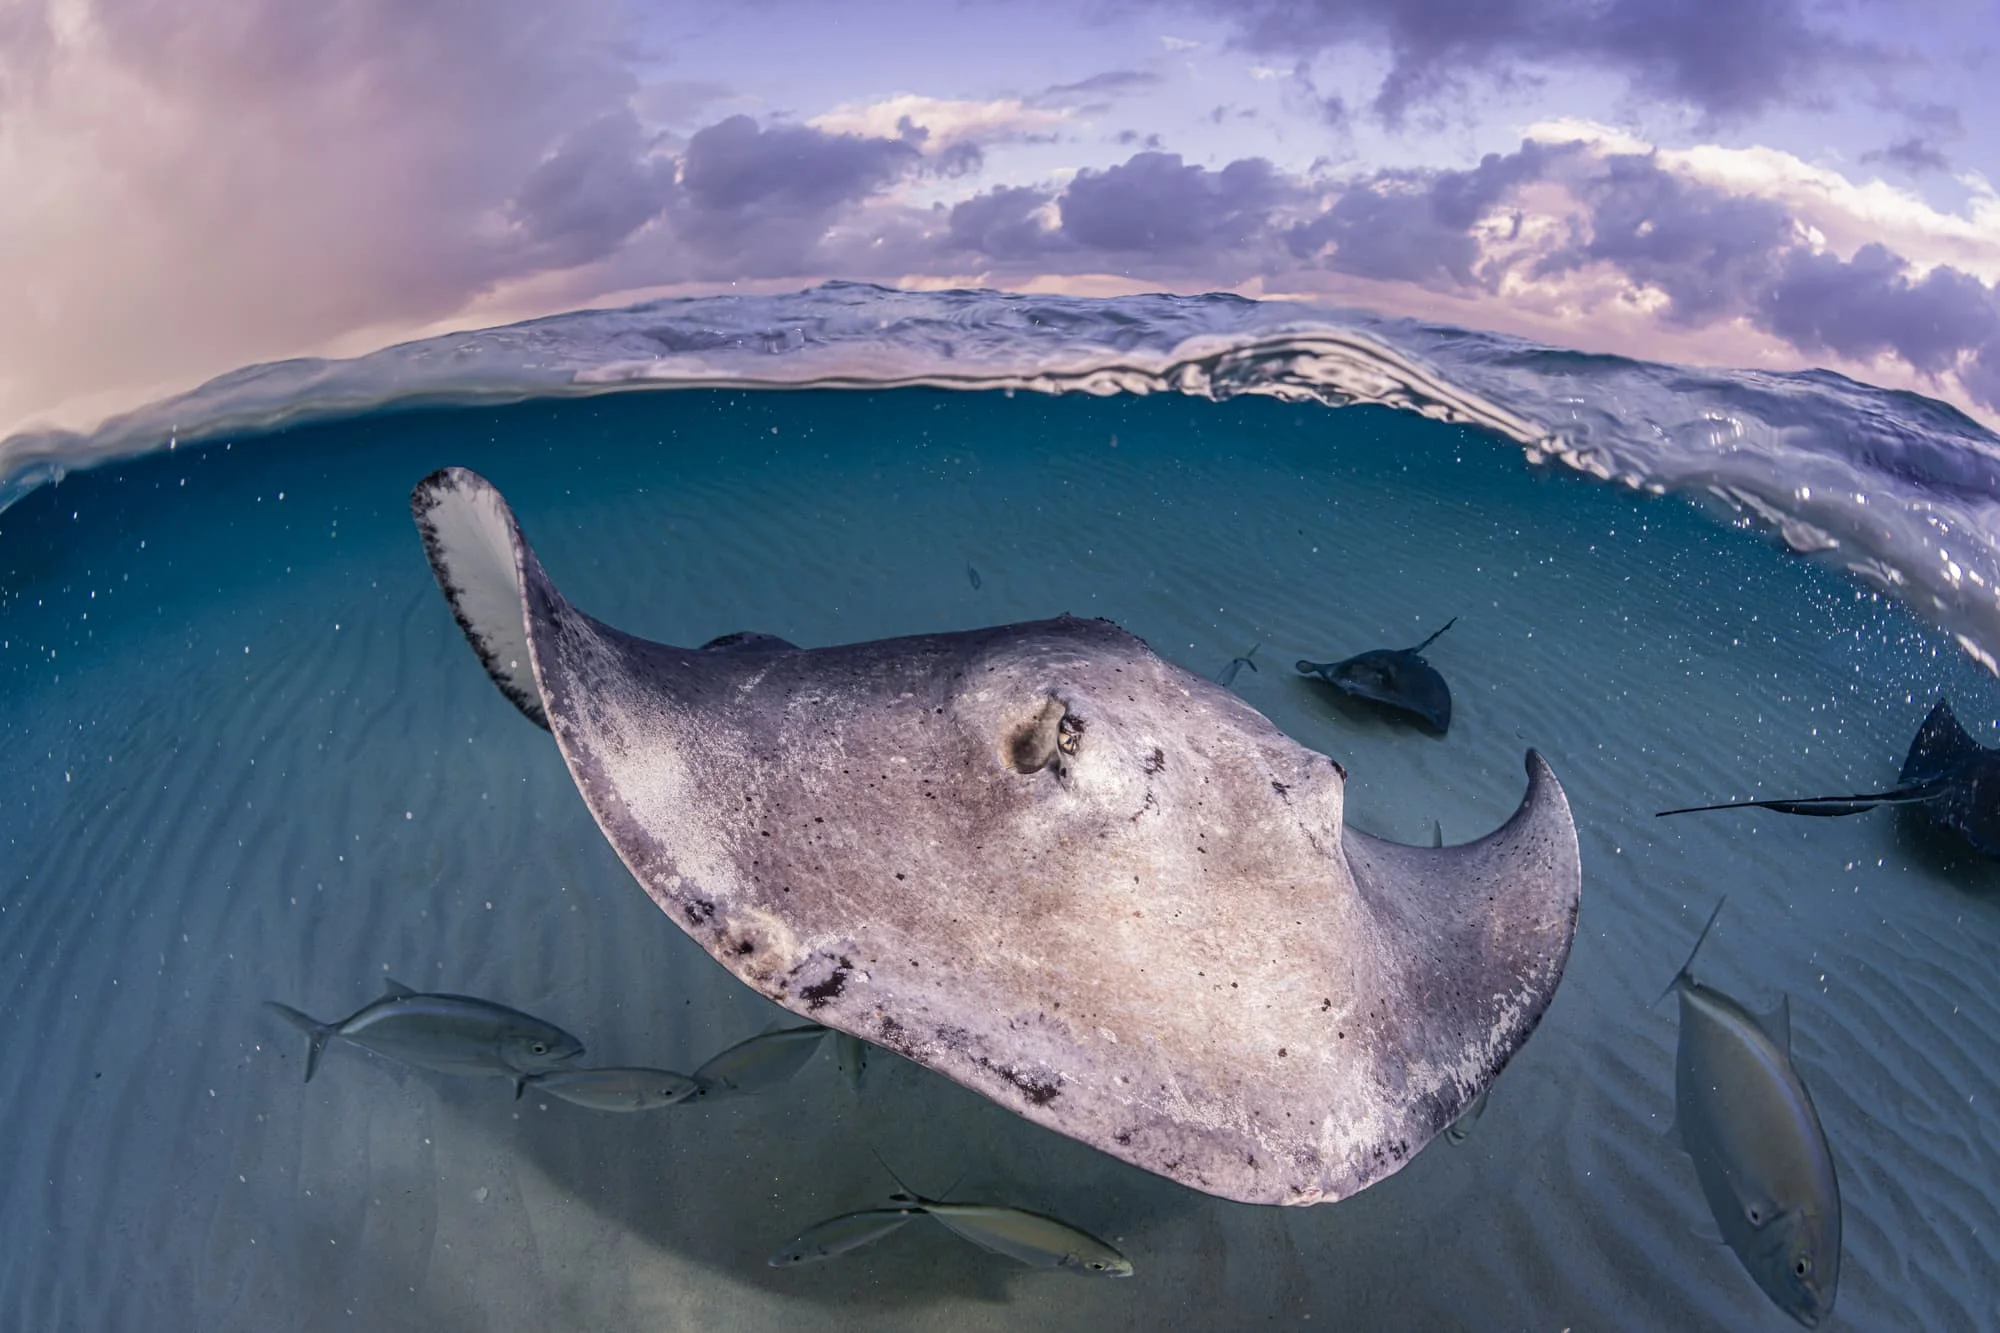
1747,1122
1052,866
1398,679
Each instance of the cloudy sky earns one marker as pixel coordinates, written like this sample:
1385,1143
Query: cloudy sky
186,188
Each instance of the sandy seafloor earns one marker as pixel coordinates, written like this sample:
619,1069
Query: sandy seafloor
249,756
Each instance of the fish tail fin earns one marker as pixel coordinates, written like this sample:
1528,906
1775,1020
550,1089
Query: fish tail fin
904,1194
316,1033
1434,638
1250,658
1686,973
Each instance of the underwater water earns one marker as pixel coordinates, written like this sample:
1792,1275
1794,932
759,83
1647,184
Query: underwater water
251,758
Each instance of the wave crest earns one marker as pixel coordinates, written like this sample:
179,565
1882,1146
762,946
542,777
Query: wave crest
1900,489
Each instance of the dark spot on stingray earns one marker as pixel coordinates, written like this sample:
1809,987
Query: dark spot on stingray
698,910
1123,1136
1156,762
1038,1091
819,994
746,946
1281,1052
1281,788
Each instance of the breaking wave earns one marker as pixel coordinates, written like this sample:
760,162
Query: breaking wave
1898,488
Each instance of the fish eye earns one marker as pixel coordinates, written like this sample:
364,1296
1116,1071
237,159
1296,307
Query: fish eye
1755,1216
1803,1267
539,1048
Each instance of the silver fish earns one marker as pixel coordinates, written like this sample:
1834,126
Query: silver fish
852,1054
972,576
764,1061
451,1034
1035,1240
1228,674
838,1235
1746,1119
626,1089
1461,1129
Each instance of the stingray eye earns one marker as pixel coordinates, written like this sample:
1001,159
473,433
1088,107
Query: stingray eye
1034,744
1069,733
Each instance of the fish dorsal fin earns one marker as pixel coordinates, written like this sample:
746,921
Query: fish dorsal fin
1777,1024
1687,969
1940,746
396,989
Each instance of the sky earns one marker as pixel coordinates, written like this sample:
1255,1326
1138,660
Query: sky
188,188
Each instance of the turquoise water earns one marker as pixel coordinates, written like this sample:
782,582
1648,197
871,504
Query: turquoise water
254,759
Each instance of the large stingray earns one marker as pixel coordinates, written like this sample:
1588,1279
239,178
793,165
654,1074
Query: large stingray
1950,777
1398,679
1048,864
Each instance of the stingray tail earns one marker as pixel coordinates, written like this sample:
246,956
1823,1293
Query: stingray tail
1687,969
1434,638
316,1033
1914,794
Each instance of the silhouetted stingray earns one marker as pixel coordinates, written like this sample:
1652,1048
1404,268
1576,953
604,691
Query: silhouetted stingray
1048,864
1951,778
1396,678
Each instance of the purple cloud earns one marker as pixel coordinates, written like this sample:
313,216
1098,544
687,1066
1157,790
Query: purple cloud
598,187
1154,203
1868,305
1409,226
1710,252
763,196
1002,224
1723,57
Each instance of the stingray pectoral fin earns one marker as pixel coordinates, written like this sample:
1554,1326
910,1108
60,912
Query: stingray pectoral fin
476,552
1484,928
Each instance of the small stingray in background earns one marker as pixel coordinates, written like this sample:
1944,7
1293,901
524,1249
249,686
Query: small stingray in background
450,1034
1227,675
1951,778
1398,679
1745,1118
613,1089
972,576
